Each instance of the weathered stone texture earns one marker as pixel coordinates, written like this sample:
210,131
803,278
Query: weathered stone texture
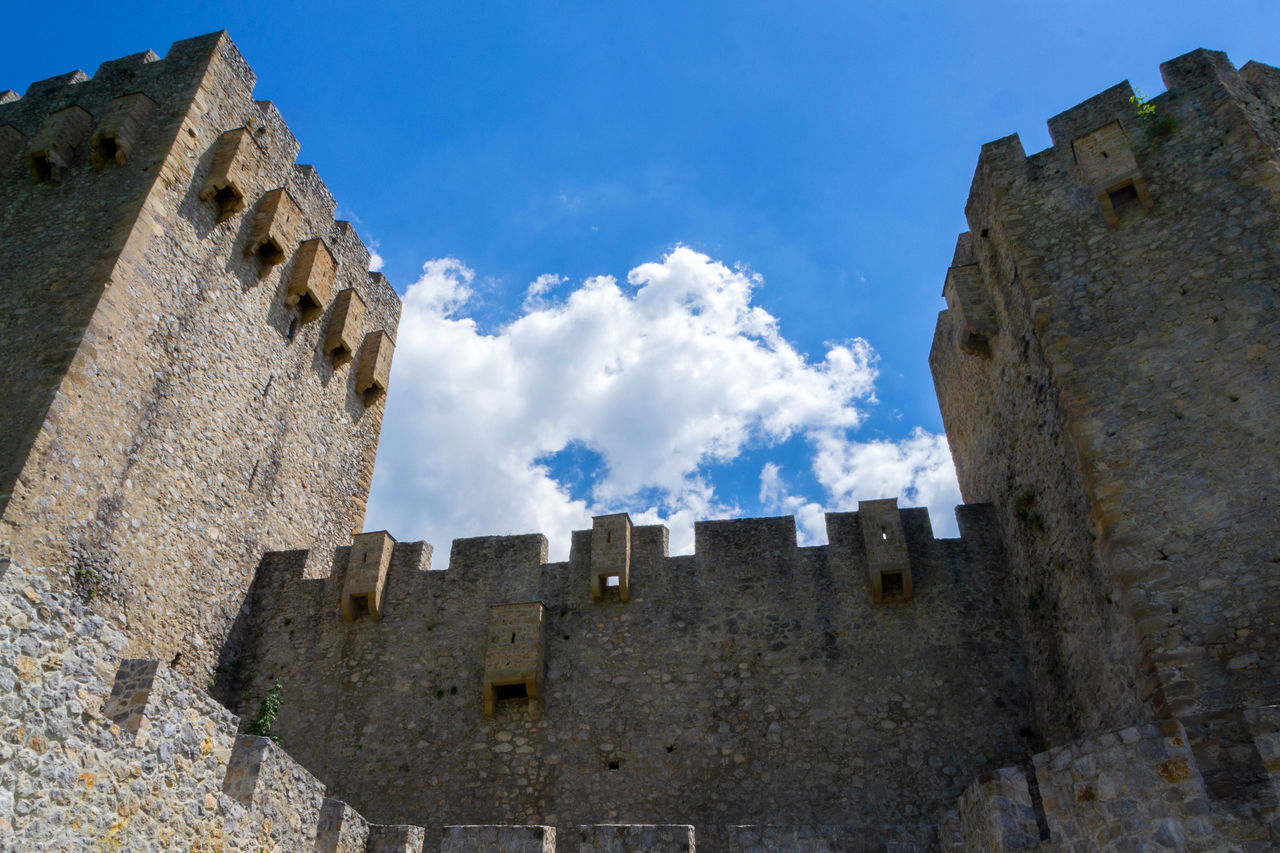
498,839
167,418
157,766
172,420
341,830
1124,422
754,682
636,838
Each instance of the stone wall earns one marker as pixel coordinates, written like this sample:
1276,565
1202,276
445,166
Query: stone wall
170,414
1105,369
752,683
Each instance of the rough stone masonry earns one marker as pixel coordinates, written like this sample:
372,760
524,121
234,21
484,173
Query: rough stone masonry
195,365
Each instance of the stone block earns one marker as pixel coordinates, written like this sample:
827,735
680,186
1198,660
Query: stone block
966,292
341,829
54,146
311,285
611,555
282,795
130,695
886,544
498,839
636,838
345,326
1106,164
400,838
513,662
366,578
119,130
996,812
750,838
374,372
276,223
229,177
1148,774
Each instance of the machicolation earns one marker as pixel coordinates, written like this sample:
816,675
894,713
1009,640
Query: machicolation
194,380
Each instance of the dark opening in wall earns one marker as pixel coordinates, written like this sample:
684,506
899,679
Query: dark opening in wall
293,328
340,354
891,586
269,253
228,201
1124,198
41,168
308,308
104,152
371,395
613,765
512,691
976,344
360,605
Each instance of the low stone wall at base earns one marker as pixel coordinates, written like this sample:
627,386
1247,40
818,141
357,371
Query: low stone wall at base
1139,788
99,753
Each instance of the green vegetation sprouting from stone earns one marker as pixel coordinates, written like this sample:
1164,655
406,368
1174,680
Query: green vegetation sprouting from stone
261,724
1155,123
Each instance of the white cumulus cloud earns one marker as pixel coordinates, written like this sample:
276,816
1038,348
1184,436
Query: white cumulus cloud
657,377
918,470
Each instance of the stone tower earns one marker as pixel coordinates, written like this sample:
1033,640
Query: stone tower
196,360
1107,370
194,351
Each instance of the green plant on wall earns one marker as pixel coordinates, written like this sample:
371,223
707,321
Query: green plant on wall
1155,122
261,724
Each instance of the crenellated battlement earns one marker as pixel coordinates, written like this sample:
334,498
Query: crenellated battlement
194,379
201,328
1102,320
752,636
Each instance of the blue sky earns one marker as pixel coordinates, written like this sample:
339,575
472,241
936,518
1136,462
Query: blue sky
737,216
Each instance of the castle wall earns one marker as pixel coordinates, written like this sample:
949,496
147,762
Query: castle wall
202,418
1106,375
753,684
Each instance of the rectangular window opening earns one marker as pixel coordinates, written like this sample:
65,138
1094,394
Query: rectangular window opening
308,308
270,253
41,168
359,605
1124,197
891,586
228,202
613,581
340,354
105,152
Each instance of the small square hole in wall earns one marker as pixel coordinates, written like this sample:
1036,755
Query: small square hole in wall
891,586
228,201
360,605
270,253
977,344
1124,198
372,395
512,691
41,168
105,152
308,308
341,354
612,581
